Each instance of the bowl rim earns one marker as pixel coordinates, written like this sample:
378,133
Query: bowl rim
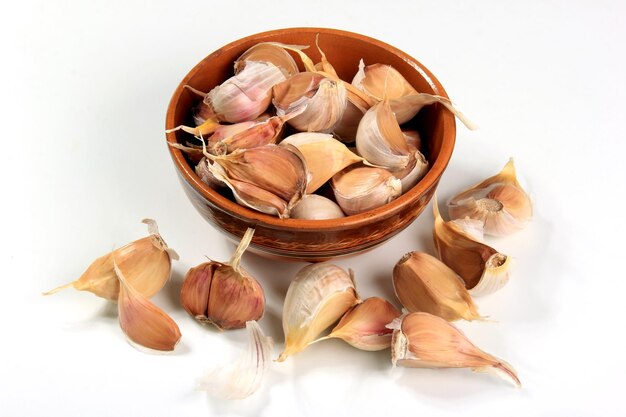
348,222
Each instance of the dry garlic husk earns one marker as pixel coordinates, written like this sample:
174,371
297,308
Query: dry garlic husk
499,202
143,322
359,189
246,135
381,81
269,53
317,101
262,175
424,283
316,207
224,294
406,107
365,325
206,176
483,269
241,378
324,156
421,340
379,138
319,295
246,95
414,171
146,264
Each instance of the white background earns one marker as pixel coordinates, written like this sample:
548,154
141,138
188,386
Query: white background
84,90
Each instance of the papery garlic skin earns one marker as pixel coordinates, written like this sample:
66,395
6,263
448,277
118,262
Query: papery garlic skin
243,377
413,172
319,295
381,81
499,202
268,53
361,189
422,340
423,283
365,325
316,207
483,269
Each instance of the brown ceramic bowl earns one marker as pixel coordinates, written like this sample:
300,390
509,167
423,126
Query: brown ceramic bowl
315,240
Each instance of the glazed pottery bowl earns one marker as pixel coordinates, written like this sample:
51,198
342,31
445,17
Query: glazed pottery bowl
314,240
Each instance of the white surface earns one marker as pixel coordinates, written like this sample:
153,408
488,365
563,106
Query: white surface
85,87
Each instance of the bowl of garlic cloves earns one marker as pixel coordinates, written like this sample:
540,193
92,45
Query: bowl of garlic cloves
327,142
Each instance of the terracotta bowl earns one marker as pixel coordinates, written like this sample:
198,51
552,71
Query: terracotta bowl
315,240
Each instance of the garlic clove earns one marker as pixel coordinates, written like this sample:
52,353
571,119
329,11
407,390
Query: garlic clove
381,81
207,127
143,322
413,138
223,294
206,176
247,94
483,269
247,135
316,207
365,325
269,53
499,202
359,189
258,199
346,128
422,340
414,171
243,377
380,140
423,283
146,264
319,295
406,107
323,154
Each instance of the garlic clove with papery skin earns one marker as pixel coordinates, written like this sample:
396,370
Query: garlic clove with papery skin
422,340
359,189
319,295
381,81
499,202
271,53
316,207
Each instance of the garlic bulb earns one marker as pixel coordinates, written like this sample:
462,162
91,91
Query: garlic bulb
324,156
424,283
365,325
316,207
143,322
362,189
146,264
483,269
318,296
499,202
241,378
271,53
316,102
223,294
421,340
380,140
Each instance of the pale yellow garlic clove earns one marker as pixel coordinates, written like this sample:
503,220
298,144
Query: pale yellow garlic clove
380,140
423,283
146,263
499,202
319,295
243,377
421,340
483,269
362,189
381,81
316,207
324,156
223,294
269,53
143,322
365,325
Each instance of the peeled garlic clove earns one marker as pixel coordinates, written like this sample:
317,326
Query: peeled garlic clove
316,207
254,134
421,340
362,189
318,296
143,322
246,95
269,53
424,283
499,202
380,140
243,377
318,101
207,127
413,172
323,154
223,294
381,81
365,325
483,269
406,107
146,263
